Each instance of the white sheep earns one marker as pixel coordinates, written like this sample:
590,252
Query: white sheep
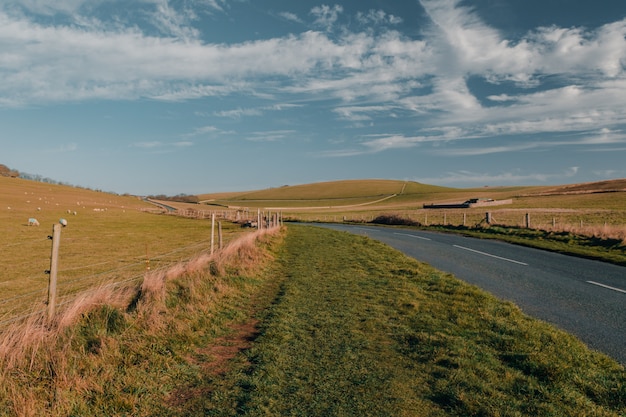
33,222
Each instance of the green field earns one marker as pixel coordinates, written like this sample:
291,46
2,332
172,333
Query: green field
351,328
109,238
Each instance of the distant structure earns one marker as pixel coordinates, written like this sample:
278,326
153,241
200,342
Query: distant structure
471,203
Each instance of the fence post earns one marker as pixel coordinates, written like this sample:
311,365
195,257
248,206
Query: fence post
212,231
54,267
488,218
464,218
527,220
219,235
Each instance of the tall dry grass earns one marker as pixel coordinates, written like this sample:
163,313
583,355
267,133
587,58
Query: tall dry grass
596,231
37,359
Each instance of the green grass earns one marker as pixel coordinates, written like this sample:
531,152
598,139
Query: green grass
363,330
348,326
590,247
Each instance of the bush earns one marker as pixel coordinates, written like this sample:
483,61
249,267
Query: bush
395,220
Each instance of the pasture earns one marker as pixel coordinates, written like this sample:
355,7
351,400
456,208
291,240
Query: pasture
109,239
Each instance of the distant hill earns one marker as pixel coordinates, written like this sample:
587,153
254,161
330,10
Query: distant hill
344,193
389,194
339,190
589,187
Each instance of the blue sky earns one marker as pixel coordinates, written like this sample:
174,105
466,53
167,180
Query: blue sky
194,96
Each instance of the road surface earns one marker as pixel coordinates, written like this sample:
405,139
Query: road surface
584,297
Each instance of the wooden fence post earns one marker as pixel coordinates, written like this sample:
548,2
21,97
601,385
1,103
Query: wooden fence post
212,232
488,218
527,220
54,267
219,235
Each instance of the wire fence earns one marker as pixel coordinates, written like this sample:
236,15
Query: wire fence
23,305
596,223
77,279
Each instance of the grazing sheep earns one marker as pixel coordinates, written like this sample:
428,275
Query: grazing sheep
33,222
63,222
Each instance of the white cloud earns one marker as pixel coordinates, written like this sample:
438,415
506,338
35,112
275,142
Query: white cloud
271,136
326,16
204,130
361,113
161,145
377,17
238,113
290,16
147,145
468,178
173,22
47,7
380,75
215,4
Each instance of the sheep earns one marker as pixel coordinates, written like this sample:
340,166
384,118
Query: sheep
33,222
63,222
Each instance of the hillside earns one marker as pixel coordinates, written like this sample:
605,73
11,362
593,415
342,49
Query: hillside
330,194
108,238
377,194
589,187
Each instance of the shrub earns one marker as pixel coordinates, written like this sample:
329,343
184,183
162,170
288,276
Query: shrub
395,220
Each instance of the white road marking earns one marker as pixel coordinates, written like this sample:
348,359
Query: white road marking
488,254
415,236
607,286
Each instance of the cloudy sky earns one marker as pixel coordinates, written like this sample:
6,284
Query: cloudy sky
193,96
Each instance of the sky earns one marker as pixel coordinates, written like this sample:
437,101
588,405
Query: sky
201,96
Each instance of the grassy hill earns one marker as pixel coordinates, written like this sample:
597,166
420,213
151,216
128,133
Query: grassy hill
342,193
381,194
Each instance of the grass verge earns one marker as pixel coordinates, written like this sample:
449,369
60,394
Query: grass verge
590,247
362,330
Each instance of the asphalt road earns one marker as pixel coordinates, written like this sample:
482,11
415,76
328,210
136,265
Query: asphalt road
583,297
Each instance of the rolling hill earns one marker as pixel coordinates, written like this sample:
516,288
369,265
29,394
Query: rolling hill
390,194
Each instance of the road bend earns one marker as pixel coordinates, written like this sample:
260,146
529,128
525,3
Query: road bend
583,297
